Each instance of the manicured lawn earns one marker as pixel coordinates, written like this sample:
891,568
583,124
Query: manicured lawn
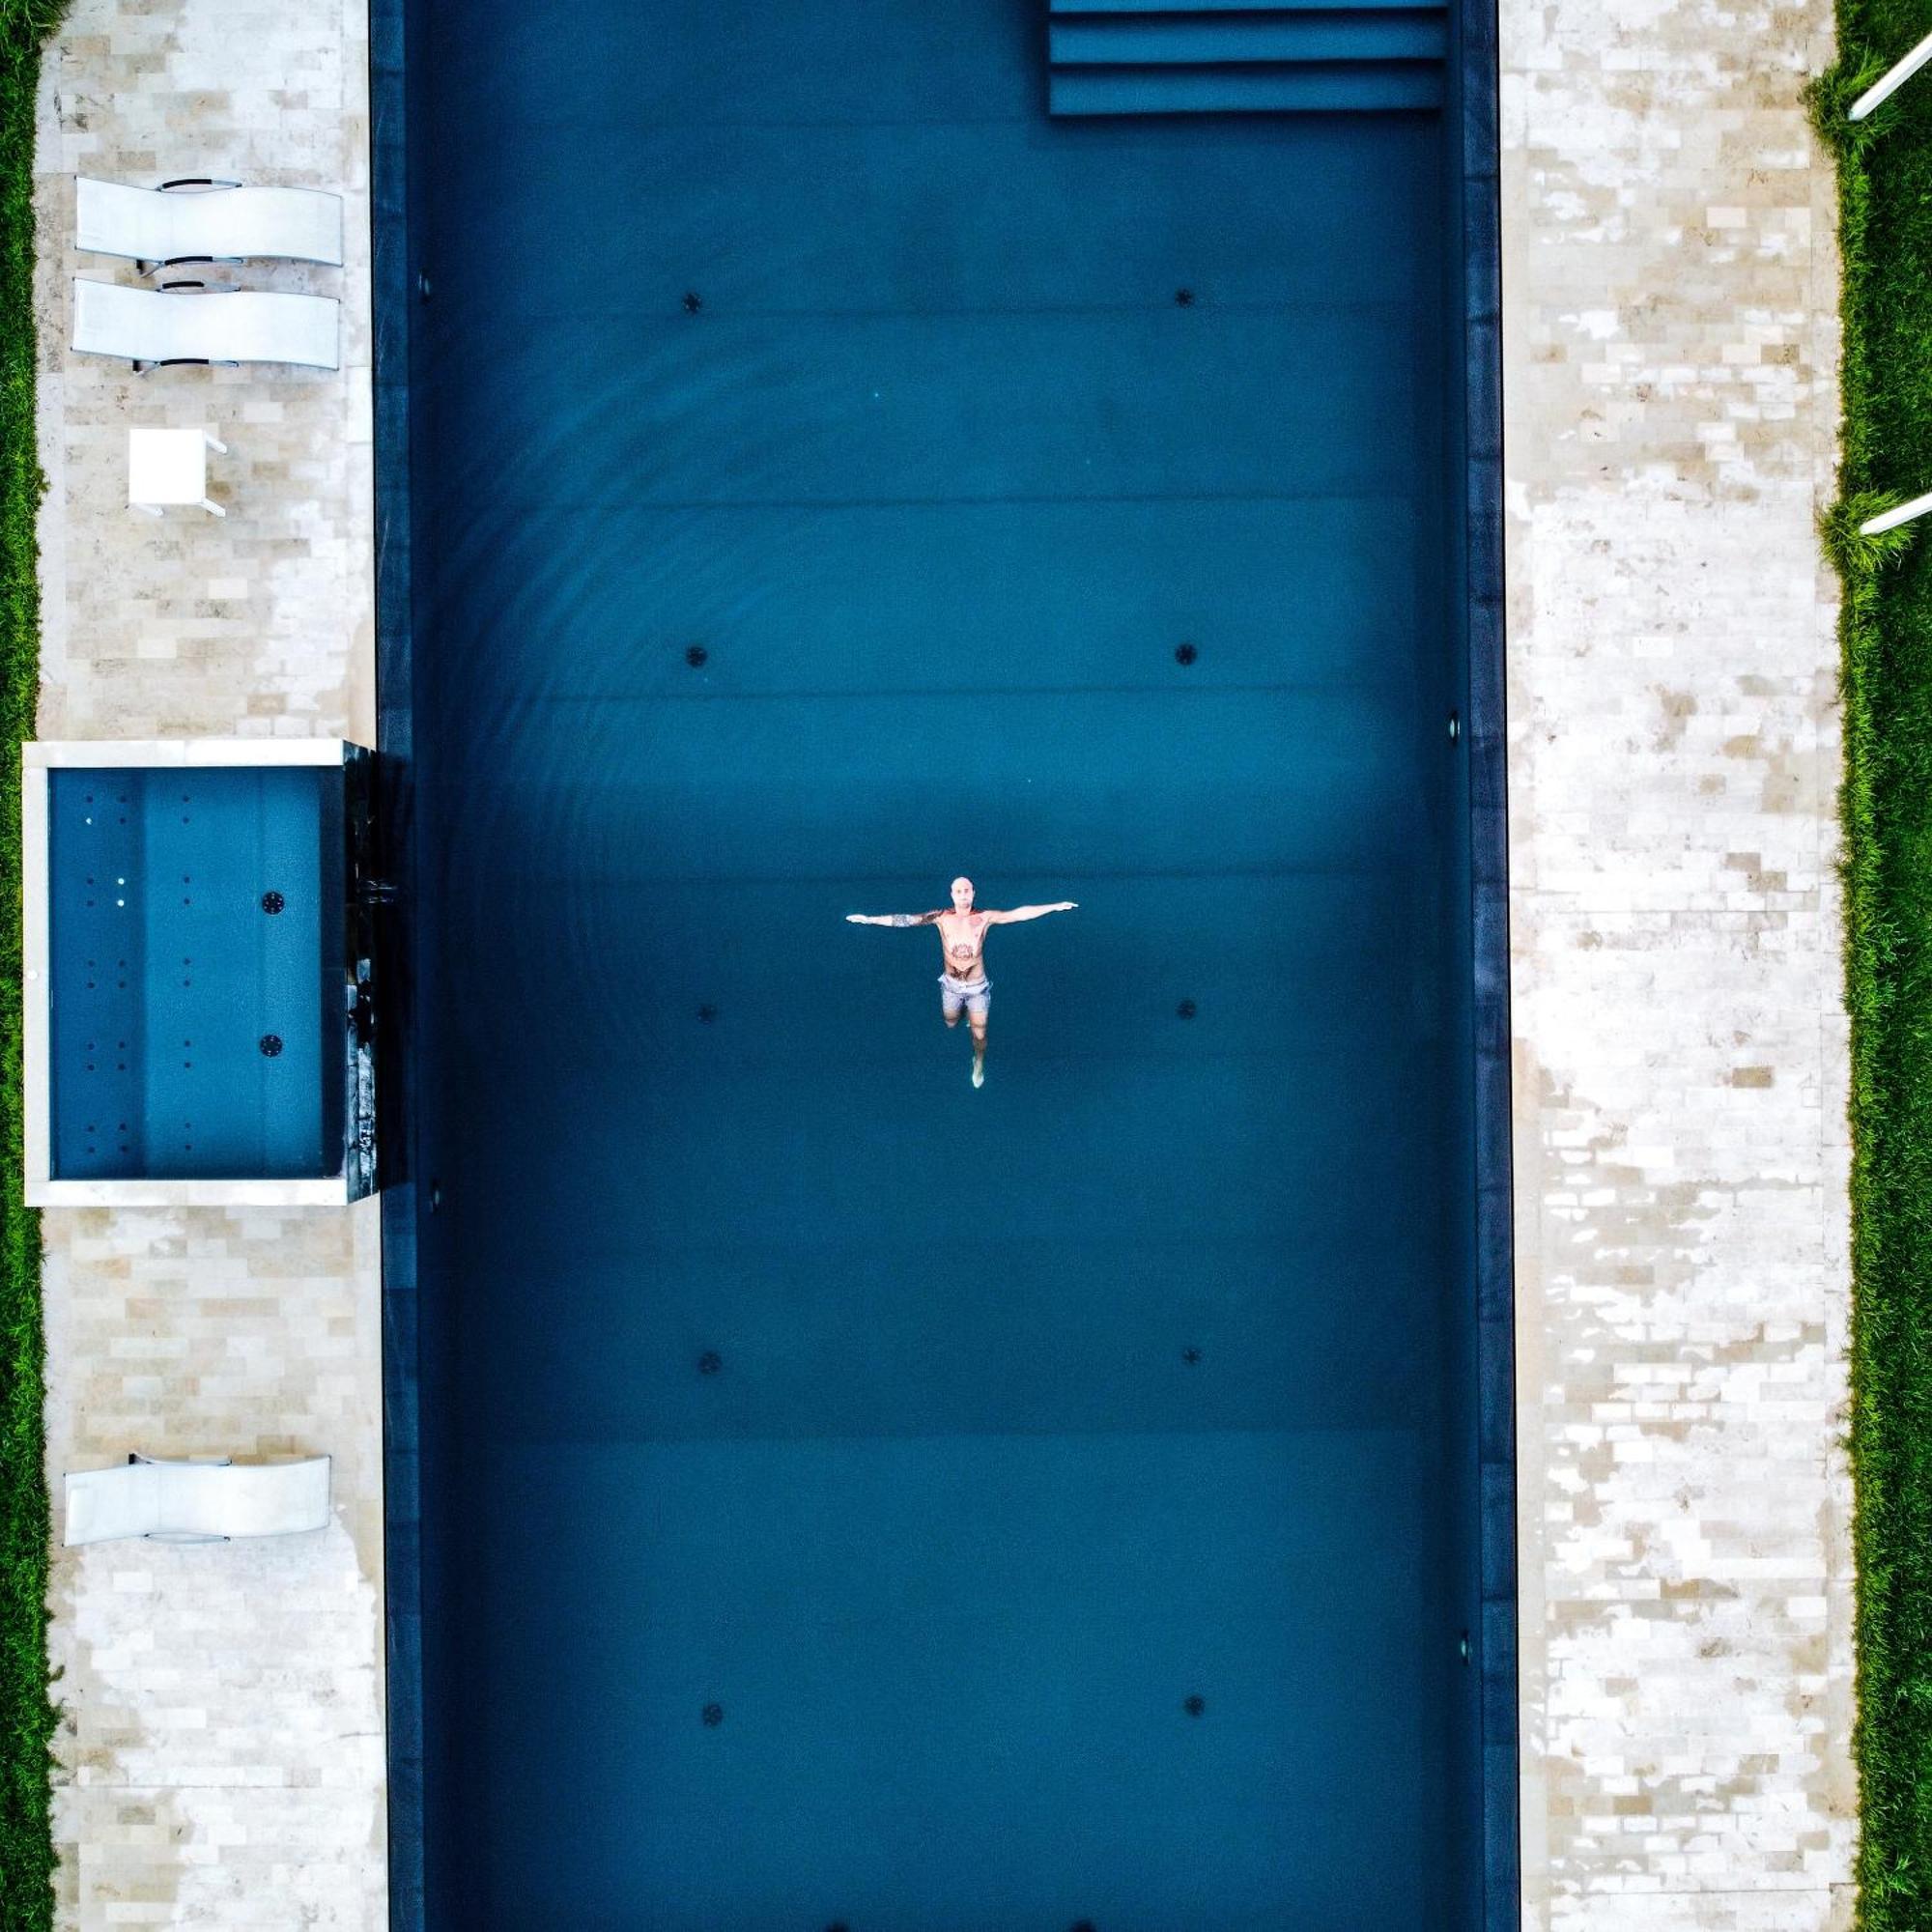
26,1717
1885,635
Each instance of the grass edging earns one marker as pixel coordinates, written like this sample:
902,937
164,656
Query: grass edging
1885,635
26,1716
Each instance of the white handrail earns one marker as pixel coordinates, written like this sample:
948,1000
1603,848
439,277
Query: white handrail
1888,84
1892,519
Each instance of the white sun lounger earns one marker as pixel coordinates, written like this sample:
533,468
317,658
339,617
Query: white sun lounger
153,326
206,220
196,1503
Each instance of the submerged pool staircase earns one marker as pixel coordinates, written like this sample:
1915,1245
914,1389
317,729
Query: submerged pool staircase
1232,57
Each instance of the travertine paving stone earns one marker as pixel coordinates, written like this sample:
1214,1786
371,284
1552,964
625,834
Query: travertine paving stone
1670,339
221,1745
221,1741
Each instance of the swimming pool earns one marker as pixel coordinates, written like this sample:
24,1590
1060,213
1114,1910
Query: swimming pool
849,1496
199,989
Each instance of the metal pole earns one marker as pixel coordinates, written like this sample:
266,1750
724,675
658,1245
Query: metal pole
1893,80
1905,512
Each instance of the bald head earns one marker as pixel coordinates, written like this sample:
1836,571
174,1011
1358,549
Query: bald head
962,893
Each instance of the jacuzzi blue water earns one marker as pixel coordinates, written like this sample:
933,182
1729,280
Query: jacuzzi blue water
851,1498
168,975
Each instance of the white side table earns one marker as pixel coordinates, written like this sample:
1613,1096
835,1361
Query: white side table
170,466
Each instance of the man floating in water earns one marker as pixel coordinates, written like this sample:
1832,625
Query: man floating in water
962,934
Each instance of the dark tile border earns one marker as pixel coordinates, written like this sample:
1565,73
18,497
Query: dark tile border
1476,97
402,1473
1475,106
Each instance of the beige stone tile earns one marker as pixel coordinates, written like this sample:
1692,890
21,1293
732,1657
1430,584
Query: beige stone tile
1680,1052
221,1750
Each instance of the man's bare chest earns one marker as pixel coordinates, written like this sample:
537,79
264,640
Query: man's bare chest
962,938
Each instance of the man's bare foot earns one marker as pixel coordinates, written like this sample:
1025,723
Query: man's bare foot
978,1071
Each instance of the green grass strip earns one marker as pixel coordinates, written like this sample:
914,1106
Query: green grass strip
1885,207
26,1717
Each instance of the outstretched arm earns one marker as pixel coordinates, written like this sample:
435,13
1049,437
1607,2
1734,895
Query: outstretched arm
1029,912
890,918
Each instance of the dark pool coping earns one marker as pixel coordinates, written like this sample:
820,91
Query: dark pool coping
394,294
392,290
1476,97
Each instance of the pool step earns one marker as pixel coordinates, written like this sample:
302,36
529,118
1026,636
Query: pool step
1232,57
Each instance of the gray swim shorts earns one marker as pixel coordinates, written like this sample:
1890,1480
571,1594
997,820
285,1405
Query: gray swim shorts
974,995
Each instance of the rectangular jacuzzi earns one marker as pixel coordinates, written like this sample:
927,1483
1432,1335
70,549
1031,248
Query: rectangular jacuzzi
198,980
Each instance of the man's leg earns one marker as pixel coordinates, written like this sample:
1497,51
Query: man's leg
979,1020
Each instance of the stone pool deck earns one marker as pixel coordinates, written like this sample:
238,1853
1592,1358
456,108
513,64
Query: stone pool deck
1680,1057
1670,330
221,1745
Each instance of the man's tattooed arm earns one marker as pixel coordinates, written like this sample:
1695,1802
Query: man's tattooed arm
892,918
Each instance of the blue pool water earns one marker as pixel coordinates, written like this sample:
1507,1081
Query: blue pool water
169,975
852,1498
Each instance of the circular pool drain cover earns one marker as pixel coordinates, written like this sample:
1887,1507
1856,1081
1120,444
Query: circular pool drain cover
271,1044
273,901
